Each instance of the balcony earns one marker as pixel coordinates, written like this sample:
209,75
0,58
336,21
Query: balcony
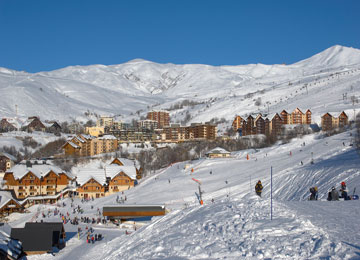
50,188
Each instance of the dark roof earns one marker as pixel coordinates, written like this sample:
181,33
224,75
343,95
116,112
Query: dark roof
132,208
47,234
33,239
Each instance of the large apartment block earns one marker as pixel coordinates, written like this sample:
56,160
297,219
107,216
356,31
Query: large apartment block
196,131
86,145
162,117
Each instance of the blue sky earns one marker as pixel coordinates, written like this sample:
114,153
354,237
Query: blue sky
50,34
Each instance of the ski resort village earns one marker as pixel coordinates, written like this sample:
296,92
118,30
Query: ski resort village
143,160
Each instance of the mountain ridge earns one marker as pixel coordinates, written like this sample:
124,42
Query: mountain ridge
140,85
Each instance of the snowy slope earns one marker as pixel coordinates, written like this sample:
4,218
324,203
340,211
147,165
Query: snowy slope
221,91
237,225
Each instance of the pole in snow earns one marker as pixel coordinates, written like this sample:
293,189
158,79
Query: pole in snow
271,207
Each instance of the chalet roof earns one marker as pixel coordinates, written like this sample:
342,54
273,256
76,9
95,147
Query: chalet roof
107,137
271,116
9,156
113,169
297,109
79,139
73,145
327,114
218,150
128,162
85,174
40,170
5,197
343,113
89,137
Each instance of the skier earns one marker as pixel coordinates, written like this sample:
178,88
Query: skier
344,191
314,193
258,188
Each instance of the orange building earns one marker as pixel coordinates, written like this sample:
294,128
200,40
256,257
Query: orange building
329,122
37,179
162,118
120,175
86,145
237,123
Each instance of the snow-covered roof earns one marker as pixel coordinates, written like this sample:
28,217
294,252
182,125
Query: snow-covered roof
128,162
87,136
79,139
40,170
85,174
107,137
9,156
218,150
113,169
73,145
5,197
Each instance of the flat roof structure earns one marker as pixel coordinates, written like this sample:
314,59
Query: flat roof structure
133,211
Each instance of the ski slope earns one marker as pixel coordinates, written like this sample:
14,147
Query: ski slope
237,224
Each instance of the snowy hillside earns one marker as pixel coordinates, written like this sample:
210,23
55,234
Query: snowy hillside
317,83
237,224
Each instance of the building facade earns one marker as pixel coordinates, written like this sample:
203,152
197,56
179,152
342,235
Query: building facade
162,118
35,180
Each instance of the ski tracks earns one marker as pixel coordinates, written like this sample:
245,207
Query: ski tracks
238,229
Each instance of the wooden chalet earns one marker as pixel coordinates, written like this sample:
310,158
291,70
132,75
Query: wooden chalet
343,119
53,127
34,124
120,175
124,212
285,117
36,179
8,204
40,238
259,125
327,122
248,127
128,162
237,123
6,162
297,116
307,117
93,187
6,126
276,124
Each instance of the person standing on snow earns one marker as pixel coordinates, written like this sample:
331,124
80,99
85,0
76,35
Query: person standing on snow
344,191
314,193
333,194
258,188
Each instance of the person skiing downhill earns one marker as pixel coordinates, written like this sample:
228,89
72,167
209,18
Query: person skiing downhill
258,188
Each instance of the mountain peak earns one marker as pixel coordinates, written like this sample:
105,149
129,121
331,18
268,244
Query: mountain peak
334,56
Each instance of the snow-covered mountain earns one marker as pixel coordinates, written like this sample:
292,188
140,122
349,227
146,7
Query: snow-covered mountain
218,91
